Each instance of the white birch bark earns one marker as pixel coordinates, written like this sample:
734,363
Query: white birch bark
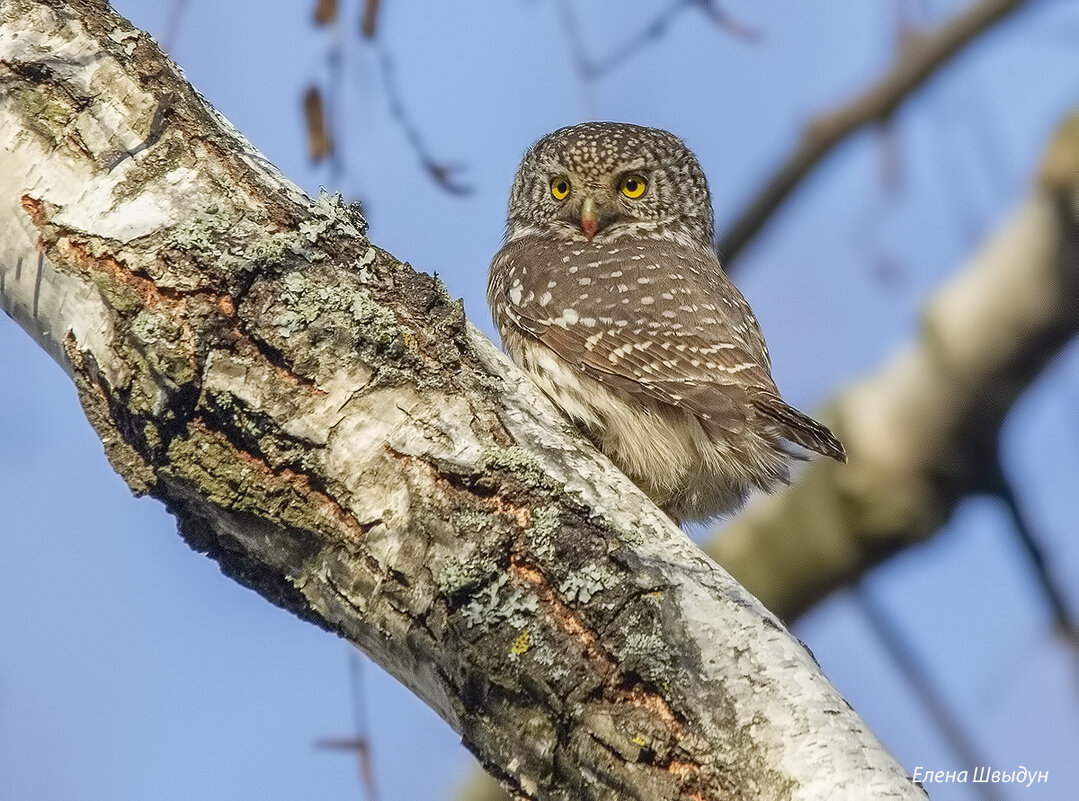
326,425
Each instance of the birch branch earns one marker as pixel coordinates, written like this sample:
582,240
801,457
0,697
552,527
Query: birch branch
324,423
922,432
918,60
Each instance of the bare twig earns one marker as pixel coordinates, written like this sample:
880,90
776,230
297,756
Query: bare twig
445,175
326,111
324,107
325,12
360,743
917,61
903,655
1063,619
724,20
591,69
172,27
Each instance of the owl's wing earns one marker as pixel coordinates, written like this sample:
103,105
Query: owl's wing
652,319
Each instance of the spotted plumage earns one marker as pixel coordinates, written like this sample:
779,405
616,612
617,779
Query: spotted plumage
608,292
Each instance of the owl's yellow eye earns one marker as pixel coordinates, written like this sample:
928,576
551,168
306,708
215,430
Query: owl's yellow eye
633,186
560,188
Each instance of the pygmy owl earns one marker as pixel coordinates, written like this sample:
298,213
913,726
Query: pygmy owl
609,294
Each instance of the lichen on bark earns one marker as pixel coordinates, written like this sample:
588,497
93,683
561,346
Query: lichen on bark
323,421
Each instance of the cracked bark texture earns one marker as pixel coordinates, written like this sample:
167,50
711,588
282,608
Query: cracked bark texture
324,423
923,430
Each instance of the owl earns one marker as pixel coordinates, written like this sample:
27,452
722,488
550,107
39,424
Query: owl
608,293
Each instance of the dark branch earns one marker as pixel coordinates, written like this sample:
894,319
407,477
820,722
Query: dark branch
591,69
1063,619
903,655
445,175
921,57
360,743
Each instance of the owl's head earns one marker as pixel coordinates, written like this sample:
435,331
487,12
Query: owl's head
604,181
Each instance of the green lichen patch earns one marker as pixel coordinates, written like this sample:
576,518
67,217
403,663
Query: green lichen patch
377,322
586,581
546,524
545,652
237,481
648,648
306,306
230,242
330,212
42,100
256,431
517,461
323,321
230,245
120,296
158,338
638,638
500,601
44,115
203,232
457,574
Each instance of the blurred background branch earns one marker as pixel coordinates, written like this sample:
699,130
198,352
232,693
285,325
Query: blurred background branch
1034,552
922,431
899,648
920,56
592,68
325,112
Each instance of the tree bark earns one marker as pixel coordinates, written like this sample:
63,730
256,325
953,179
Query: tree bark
325,424
923,429
922,432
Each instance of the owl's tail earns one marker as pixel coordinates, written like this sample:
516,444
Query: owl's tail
799,428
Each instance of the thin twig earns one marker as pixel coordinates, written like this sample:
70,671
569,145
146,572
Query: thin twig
903,656
445,175
715,12
319,140
917,61
325,12
337,102
360,743
1063,620
591,69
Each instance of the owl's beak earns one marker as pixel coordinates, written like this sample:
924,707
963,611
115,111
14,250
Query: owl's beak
589,217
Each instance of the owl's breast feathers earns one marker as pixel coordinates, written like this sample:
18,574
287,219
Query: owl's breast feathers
655,319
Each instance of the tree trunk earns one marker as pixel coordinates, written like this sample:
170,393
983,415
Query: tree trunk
326,425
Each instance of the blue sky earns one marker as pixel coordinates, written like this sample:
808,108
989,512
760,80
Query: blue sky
132,669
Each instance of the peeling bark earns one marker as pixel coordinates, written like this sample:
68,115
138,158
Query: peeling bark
324,423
